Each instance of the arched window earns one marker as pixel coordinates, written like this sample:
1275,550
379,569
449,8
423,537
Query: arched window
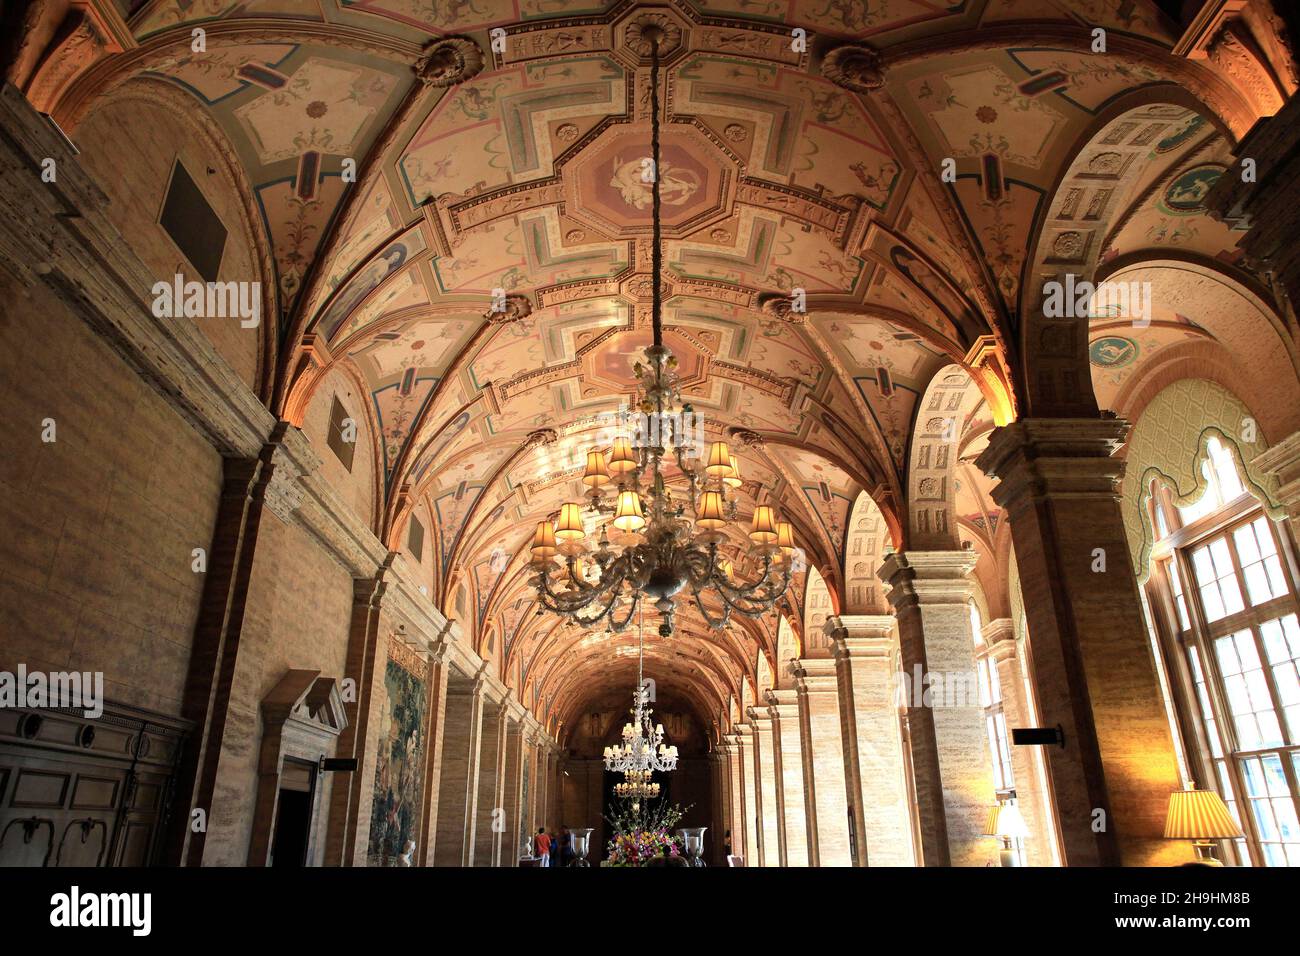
1222,593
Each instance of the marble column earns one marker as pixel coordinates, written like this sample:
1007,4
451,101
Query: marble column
866,670
458,781
1093,667
1000,639
488,821
509,839
717,803
826,800
753,795
951,767
766,794
787,746
736,790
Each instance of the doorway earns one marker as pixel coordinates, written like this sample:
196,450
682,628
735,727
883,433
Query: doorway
293,815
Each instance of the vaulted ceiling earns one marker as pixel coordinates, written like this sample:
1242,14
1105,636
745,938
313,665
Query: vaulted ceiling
401,207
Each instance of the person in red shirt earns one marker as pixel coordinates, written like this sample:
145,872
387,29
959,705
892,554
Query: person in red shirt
543,846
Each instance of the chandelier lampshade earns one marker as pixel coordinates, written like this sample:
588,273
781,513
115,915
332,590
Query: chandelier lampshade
719,465
597,472
629,516
544,541
622,458
763,528
569,527
679,515
710,514
733,480
785,536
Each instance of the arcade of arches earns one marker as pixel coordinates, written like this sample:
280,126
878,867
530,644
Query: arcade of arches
300,532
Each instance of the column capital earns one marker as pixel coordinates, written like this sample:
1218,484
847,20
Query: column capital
1000,637
731,740
759,719
783,703
1283,461
862,635
928,577
816,675
1061,457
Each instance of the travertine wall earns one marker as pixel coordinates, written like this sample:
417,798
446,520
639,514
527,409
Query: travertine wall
130,143
299,602
355,487
95,561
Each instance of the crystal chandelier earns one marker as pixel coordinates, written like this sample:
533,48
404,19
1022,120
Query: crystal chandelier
662,547
637,786
643,749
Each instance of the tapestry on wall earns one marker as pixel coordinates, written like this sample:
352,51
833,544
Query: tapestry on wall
399,772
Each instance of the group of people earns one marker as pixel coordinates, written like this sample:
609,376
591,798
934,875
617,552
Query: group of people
553,850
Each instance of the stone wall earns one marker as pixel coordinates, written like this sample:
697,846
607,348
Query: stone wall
100,524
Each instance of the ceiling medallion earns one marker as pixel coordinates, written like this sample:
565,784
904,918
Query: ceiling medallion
662,547
449,61
781,307
855,67
511,308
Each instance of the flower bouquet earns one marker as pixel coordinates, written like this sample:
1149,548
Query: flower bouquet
643,832
640,847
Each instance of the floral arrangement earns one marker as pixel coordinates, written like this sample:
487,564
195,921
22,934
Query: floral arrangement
640,847
643,832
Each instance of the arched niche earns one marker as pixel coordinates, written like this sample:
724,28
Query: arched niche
1168,442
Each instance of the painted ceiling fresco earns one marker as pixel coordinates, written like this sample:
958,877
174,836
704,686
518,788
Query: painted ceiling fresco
478,253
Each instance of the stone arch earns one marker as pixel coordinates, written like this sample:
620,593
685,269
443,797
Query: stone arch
1108,171
1246,329
949,400
1168,442
818,605
868,536
181,131
788,650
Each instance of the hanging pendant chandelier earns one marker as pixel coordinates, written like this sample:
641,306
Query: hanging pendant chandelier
661,547
643,750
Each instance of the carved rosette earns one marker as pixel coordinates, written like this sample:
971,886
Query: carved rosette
855,67
654,24
517,307
750,439
781,307
449,61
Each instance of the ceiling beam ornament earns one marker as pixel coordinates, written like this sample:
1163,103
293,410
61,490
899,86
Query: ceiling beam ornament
856,67
449,61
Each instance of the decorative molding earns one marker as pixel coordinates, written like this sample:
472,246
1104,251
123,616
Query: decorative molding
449,61
856,67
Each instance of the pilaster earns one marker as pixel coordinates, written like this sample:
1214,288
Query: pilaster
787,746
866,671
1093,668
825,772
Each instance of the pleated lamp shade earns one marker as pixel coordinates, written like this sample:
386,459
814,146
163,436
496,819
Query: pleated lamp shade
544,540
719,465
569,527
785,536
734,479
763,530
596,472
1005,821
629,516
1199,815
710,513
621,457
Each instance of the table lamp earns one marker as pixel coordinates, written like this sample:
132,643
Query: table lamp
1202,817
1006,822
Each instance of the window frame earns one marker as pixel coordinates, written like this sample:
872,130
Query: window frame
1175,550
